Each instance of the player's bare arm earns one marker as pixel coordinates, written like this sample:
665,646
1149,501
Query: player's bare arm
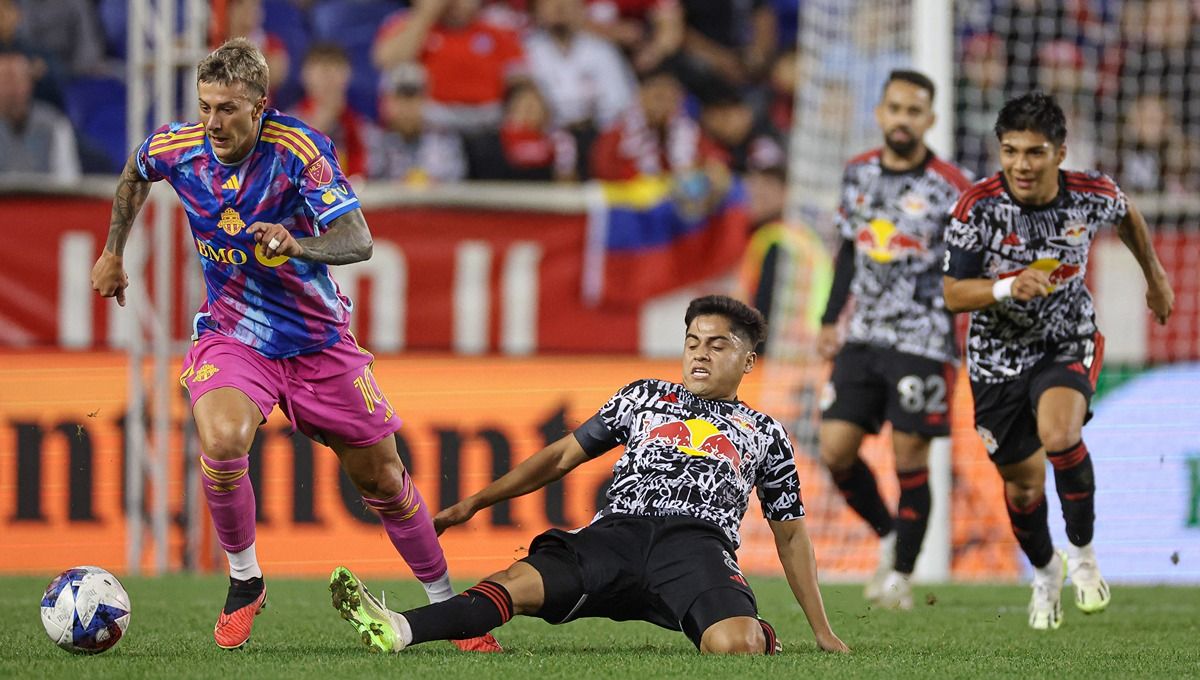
968,295
548,465
108,275
800,565
348,240
1134,233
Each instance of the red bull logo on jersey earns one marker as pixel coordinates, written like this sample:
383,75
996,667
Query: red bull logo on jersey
883,242
1060,272
231,222
696,437
1074,235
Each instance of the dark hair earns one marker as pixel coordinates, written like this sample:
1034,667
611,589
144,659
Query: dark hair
1033,112
913,78
744,320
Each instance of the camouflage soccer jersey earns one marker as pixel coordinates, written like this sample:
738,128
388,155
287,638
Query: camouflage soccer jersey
896,221
693,457
994,236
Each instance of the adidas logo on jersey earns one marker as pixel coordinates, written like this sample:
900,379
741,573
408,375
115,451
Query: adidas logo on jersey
232,184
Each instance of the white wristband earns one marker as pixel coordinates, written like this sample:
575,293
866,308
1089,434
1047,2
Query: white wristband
1002,288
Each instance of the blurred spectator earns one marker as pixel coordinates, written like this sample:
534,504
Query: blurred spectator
34,136
1064,73
470,61
47,72
787,23
527,146
980,93
649,31
1161,53
245,18
733,41
654,137
584,77
1155,154
737,131
325,77
68,30
789,73
407,148
766,186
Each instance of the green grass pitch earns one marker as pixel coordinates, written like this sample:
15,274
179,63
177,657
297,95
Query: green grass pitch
956,631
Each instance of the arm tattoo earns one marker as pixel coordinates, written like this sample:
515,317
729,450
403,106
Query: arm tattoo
347,240
130,195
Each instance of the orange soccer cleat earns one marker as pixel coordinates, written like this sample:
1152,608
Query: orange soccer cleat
244,601
486,644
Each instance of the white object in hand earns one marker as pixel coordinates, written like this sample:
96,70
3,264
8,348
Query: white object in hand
273,244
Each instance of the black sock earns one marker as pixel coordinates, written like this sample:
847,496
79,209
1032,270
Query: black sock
242,593
912,517
1076,484
1032,530
469,614
857,486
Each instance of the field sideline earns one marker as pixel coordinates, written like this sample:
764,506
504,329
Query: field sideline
956,631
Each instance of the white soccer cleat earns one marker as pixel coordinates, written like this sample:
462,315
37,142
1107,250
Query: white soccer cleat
1045,608
887,563
895,592
1091,590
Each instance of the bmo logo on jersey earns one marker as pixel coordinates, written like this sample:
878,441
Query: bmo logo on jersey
236,256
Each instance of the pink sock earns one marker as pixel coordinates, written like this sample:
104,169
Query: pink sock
230,500
409,526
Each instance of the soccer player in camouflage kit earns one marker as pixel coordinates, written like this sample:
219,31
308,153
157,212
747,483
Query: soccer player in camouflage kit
664,548
1017,252
897,362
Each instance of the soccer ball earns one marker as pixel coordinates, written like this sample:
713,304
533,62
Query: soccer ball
85,610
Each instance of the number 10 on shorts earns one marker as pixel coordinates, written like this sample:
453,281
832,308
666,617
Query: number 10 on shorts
371,395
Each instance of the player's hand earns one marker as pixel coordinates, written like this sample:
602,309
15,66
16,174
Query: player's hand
830,643
455,514
109,277
275,239
1160,298
1031,283
828,342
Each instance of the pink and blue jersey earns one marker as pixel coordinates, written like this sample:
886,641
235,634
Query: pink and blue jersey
279,306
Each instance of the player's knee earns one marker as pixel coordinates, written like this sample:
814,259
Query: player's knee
1023,495
226,439
836,458
720,639
1059,438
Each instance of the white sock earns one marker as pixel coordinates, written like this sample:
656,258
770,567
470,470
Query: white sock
243,564
1081,552
1052,569
439,590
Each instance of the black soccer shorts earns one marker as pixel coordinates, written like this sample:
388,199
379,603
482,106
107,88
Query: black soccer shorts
870,385
1006,413
679,573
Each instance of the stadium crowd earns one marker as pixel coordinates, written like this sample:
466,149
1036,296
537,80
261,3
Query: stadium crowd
570,90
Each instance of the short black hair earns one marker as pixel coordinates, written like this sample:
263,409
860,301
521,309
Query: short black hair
1033,112
912,77
744,320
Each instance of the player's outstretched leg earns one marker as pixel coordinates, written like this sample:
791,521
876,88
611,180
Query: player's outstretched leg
471,614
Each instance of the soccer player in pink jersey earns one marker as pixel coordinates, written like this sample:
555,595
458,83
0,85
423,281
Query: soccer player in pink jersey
269,211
